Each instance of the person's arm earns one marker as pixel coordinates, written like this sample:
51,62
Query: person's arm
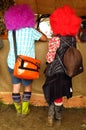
43,37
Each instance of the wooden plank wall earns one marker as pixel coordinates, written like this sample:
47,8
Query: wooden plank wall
48,6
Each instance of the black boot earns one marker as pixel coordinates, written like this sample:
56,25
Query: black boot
58,112
51,114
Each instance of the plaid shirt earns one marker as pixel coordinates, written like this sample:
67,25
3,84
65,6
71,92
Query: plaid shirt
25,39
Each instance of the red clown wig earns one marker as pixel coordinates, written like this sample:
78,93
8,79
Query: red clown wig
64,21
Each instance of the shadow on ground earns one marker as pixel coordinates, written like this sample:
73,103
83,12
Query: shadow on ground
73,119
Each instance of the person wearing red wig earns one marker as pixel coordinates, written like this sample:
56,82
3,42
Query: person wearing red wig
65,25
21,19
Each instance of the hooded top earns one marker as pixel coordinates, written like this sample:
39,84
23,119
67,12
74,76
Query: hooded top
19,16
64,21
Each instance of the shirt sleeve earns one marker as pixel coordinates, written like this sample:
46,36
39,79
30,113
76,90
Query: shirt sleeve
36,35
54,44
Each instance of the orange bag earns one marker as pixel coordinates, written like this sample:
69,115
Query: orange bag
26,67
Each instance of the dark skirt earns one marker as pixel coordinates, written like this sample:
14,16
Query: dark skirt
57,86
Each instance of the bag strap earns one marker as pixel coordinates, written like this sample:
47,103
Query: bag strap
61,62
58,54
64,42
14,41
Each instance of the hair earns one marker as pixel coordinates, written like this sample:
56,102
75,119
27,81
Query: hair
64,21
19,16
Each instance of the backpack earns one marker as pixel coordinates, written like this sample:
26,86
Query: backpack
72,61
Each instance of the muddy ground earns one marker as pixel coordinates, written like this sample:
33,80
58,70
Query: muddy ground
73,119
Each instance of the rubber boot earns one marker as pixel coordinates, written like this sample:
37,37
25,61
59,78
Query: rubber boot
58,112
18,107
25,107
51,115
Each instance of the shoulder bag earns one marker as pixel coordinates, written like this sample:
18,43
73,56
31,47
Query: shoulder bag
25,67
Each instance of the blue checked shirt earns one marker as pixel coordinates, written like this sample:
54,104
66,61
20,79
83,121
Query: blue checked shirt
25,39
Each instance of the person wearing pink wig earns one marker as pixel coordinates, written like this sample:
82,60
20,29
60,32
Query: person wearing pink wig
65,25
21,19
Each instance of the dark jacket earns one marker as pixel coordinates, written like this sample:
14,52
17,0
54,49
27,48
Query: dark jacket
56,66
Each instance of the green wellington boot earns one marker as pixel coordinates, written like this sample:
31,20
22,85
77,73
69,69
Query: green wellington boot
18,107
25,107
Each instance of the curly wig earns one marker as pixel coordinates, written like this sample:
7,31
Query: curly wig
64,21
19,16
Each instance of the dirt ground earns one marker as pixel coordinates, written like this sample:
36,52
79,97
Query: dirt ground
73,119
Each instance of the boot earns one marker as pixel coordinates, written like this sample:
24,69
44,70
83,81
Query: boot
51,115
18,107
25,107
58,112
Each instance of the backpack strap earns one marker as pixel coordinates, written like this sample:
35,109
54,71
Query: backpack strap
64,42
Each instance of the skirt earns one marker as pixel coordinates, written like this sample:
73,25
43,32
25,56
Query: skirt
57,86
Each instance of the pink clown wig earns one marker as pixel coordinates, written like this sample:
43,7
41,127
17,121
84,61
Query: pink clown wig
64,21
19,16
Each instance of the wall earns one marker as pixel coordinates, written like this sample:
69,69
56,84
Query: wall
79,82
48,6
